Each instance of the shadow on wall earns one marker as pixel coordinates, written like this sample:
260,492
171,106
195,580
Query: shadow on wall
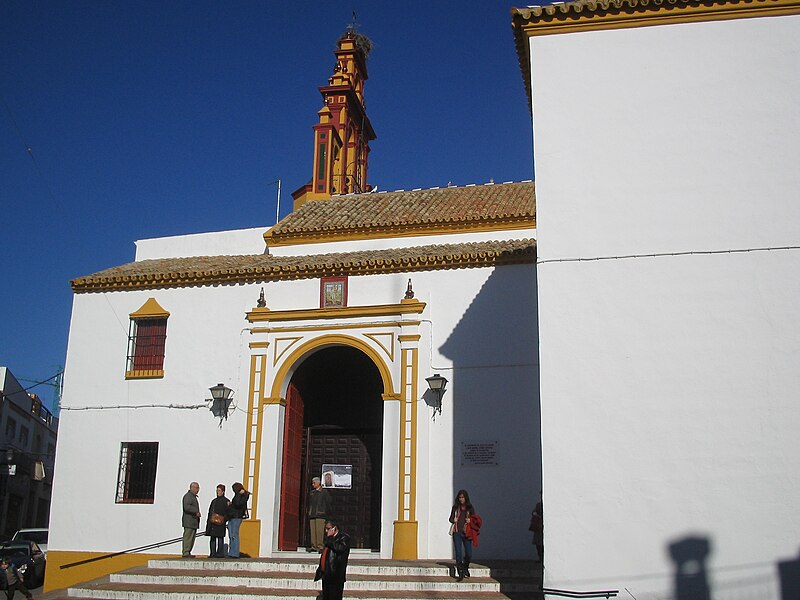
494,399
690,556
789,572
691,581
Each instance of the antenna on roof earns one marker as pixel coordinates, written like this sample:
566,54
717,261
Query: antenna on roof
278,204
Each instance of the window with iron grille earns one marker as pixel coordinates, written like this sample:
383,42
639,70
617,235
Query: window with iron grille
147,341
136,481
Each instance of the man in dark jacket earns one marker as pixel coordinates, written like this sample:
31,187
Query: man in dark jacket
191,518
333,562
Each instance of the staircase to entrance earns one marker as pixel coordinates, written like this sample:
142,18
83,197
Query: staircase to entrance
292,578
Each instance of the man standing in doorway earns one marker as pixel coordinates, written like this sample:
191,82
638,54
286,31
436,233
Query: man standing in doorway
333,562
191,518
319,508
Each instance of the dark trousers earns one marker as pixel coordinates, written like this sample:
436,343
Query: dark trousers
21,587
332,590
217,547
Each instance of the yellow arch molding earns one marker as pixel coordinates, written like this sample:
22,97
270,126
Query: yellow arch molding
332,340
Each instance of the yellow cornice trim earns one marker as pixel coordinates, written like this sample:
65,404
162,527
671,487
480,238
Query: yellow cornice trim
373,232
274,400
617,14
254,345
149,310
347,312
326,327
409,338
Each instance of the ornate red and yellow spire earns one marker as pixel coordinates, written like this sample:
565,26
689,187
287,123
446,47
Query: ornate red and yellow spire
342,136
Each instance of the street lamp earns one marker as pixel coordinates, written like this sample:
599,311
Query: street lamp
221,398
437,384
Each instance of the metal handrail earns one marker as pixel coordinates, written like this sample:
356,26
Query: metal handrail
121,552
574,594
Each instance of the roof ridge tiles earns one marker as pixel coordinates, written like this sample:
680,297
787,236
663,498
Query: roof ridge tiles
423,189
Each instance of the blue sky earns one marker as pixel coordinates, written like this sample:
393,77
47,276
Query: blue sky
149,119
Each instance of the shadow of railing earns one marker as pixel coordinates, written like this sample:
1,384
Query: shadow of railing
121,552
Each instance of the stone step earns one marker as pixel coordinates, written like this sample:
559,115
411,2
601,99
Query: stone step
292,578
309,565
299,581
120,591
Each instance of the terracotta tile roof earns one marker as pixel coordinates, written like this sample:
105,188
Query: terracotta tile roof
429,211
230,270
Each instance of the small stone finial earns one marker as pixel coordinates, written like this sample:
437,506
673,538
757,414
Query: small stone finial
262,303
409,291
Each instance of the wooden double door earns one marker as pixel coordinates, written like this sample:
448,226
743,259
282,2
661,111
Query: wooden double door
306,450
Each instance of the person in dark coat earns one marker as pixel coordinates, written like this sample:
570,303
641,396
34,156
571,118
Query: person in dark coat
190,519
236,512
216,531
333,562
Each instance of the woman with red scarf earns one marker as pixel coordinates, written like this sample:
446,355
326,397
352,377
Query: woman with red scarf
460,516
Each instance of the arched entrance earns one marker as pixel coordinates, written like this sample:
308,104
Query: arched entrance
334,416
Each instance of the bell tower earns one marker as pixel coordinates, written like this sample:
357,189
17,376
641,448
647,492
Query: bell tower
342,136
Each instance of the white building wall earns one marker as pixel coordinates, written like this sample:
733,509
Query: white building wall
208,339
669,382
403,242
226,243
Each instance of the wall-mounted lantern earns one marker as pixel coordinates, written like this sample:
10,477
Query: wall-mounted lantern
437,384
221,398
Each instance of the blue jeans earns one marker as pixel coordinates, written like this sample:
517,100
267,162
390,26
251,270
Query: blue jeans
460,539
233,537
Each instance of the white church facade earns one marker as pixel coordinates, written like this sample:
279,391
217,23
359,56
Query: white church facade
326,328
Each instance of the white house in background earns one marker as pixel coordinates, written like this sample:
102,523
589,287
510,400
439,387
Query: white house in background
28,434
326,328
666,142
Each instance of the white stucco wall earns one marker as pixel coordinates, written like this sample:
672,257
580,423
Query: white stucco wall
669,382
402,242
476,330
214,243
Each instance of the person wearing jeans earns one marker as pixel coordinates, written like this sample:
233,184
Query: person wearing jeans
236,512
459,516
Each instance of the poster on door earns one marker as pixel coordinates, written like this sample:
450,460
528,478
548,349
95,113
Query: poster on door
337,476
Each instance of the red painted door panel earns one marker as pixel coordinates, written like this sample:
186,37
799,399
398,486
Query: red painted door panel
290,518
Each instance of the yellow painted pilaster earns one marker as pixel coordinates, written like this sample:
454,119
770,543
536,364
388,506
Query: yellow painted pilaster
250,537
406,528
252,447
